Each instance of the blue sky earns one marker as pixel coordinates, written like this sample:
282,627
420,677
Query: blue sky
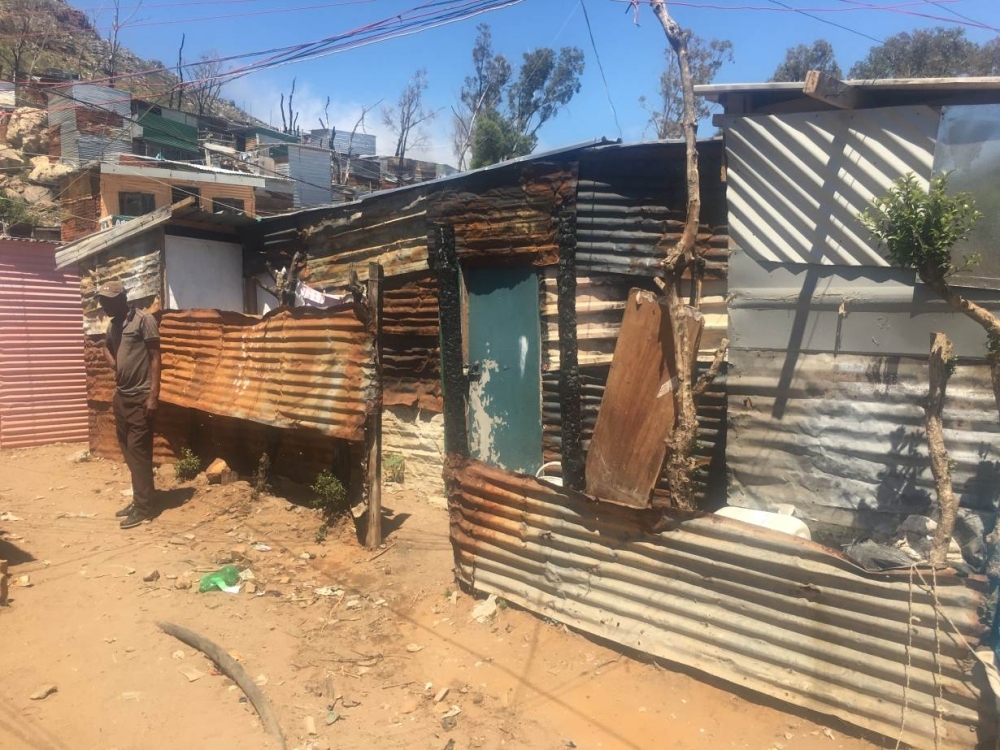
632,55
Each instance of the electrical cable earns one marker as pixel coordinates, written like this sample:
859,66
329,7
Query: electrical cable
600,67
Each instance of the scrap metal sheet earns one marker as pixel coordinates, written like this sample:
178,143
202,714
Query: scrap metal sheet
296,369
765,611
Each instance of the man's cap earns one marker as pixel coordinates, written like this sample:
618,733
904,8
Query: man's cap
111,289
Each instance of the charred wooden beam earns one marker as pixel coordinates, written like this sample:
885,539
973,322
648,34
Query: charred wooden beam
569,367
453,381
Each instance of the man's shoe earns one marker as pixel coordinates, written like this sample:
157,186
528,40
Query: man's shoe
124,511
134,518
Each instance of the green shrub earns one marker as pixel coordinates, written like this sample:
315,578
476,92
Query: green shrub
188,466
331,495
393,468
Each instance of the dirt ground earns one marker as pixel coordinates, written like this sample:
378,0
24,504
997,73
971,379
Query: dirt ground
353,648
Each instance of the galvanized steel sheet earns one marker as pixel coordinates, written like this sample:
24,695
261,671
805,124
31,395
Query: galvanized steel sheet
302,369
763,610
43,396
798,181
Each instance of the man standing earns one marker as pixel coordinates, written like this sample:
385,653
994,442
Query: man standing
133,352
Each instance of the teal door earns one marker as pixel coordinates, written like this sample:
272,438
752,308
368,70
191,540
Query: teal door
505,381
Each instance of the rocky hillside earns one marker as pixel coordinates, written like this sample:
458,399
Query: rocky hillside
27,182
50,36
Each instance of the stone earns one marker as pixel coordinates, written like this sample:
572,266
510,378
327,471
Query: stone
181,584
152,576
47,172
10,159
27,130
310,723
414,648
190,672
441,695
44,692
218,472
410,705
80,457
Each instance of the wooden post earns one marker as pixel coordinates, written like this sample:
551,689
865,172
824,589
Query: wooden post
941,362
3,581
373,428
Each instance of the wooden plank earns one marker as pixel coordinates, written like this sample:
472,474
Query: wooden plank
638,413
830,90
373,428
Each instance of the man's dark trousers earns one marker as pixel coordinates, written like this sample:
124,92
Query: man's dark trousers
135,436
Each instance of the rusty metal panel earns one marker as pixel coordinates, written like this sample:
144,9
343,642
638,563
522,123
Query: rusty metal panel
43,397
137,263
637,413
411,350
841,437
506,215
798,181
764,611
304,369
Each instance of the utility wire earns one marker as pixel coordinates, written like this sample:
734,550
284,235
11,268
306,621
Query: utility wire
600,67
827,21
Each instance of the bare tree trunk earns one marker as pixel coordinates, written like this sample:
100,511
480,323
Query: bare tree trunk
680,464
942,354
978,313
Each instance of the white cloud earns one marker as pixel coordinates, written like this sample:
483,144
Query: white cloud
262,98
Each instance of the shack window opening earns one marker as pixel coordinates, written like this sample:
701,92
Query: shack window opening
136,204
177,194
228,206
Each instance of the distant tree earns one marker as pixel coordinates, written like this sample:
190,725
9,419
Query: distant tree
180,77
511,110
291,123
118,22
496,139
803,58
706,58
926,53
481,92
989,58
206,83
404,119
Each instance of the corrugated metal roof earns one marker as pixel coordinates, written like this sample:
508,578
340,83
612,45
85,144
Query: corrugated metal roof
311,169
43,396
797,182
712,91
762,610
81,249
164,132
304,369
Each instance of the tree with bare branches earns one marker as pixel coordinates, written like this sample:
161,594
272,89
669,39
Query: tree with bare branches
24,27
405,118
206,82
119,21
290,123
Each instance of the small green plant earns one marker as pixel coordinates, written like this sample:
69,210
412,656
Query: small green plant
321,533
393,467
187,466
501,603
918,226
260,484
448,593
331,496
15,211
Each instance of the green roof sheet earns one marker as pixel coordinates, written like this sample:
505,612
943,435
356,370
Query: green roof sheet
169,133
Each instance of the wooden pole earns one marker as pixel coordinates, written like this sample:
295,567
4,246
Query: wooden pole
373,429
941,359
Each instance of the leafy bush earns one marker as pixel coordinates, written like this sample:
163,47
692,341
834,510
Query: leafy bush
918,227
331,495
393,467
188,466
14,211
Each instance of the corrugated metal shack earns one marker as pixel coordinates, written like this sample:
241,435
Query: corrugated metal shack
618,198
296,384
43,395
828,362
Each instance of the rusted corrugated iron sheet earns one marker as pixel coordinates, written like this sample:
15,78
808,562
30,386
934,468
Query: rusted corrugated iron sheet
637,415
305,369
841,437
502,216
762,610
797,182
43,396
137,263
411,350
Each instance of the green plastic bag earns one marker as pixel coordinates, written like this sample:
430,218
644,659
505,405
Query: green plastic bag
221,579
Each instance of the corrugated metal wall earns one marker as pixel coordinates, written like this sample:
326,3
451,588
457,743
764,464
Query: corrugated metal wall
92,122
761,610
311,169
828,362
797,182
43,396
303,369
